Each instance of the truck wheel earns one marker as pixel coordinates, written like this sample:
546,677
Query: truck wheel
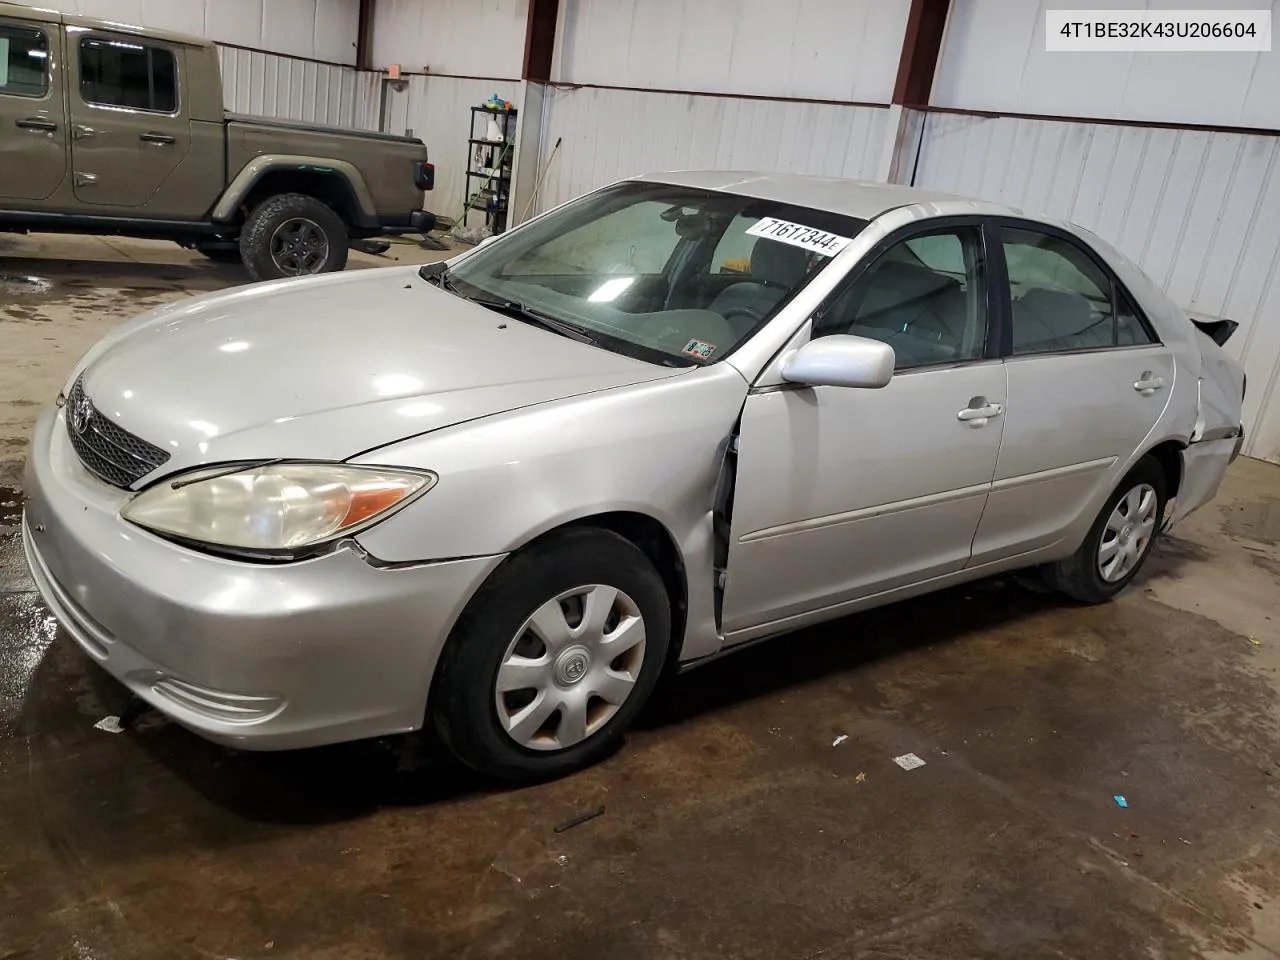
293,235
220,254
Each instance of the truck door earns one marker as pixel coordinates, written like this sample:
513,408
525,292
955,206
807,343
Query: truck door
129,127
33,128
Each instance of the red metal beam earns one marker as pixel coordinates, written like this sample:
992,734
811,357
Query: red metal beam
920,47
540,40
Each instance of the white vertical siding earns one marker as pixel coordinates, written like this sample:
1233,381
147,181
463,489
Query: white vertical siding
293,89
469,38
611,134
1198,211
993,58
811,49
438,111
319,29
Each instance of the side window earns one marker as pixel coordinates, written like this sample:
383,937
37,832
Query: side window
926,297
24,62
1062,299
117,73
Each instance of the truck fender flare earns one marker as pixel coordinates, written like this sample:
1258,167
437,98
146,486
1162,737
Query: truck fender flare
253,171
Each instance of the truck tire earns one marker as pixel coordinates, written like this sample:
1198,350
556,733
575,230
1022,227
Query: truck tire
292,235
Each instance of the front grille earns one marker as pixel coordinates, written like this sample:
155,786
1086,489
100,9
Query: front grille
105,448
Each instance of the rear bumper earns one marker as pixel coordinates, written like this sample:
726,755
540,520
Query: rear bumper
420,221
254,656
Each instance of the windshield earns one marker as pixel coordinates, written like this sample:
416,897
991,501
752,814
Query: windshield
668,274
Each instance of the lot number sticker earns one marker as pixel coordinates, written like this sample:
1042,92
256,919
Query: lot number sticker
798,235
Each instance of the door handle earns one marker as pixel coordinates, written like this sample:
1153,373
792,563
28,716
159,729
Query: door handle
157,138
86,179
79,131
1148,384
36,123
979,412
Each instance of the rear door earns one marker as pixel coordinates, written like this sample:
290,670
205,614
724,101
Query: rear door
33,129
129,127
1087,380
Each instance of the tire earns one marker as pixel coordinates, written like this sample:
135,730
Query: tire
1091,576
471,716
277,222
228,255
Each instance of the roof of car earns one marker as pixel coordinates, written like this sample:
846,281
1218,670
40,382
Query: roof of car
853,198
22,12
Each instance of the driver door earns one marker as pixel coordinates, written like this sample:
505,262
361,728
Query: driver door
846,493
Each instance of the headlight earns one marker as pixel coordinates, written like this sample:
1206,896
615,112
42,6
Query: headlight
279,509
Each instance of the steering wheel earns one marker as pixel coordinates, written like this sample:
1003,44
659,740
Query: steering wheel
752,315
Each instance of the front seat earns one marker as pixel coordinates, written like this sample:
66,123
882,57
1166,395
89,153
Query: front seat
776,270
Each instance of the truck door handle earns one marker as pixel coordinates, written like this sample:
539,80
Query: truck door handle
86,179
36,123
79,131
1148,384
979,412
156,138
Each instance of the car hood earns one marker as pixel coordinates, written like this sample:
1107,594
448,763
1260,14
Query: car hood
328,367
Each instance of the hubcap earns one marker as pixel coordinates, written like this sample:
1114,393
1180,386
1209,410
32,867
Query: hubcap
299,247
570,667
1128,533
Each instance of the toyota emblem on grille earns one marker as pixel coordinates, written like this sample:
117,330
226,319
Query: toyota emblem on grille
81,411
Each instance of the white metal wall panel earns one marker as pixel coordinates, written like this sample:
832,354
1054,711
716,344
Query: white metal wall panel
468,38
993,58
319,29
611,134
1198,211
293,89
811,49
438,111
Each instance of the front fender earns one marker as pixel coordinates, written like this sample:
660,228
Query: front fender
652,448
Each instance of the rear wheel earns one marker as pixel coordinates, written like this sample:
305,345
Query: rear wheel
293,235
1119,541
553,658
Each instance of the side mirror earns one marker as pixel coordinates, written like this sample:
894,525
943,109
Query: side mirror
841,361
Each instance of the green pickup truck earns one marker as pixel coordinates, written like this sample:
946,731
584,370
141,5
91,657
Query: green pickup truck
106,128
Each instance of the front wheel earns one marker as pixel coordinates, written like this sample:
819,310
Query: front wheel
293,235
1119,541
553,658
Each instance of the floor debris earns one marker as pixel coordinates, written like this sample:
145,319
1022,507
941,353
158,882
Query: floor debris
840,739
1120,800
109,725
579,820
908,761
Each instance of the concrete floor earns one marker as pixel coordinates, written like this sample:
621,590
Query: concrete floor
732,825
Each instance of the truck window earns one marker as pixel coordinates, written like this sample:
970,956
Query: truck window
120,73
24,62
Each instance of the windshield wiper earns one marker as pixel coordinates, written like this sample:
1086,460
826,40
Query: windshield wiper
517,310
438,273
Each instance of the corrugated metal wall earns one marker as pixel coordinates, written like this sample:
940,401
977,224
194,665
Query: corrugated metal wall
611,134
1198,211
803,49
993,58
319,29
438,111
470,38
293,89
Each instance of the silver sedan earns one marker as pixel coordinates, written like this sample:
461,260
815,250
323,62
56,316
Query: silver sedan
503,495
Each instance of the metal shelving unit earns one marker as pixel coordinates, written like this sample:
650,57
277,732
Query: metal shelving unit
489,165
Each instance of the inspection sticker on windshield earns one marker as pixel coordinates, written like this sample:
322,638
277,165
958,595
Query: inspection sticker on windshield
798,235
699,349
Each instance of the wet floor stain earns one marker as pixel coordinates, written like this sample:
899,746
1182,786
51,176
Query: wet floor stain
1257,520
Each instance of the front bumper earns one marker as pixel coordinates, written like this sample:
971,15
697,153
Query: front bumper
254,656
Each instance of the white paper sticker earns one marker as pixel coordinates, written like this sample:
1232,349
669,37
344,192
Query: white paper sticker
798,235
109,725
908,761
